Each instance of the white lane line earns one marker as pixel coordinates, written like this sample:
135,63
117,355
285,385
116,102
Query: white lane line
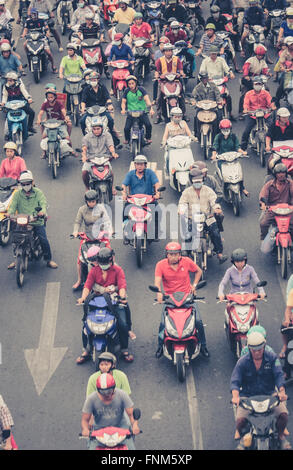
193,410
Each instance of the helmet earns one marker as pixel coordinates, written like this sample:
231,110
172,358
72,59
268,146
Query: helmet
195,175
164,39
210,26
288,40
168,47
71,45
273,160
257,79
94,75
279,168
97,122
283,112
199,165
225,124
175,24
34,11
176,111
51,86
131,77
140,159
90,195
118,37
12,75
258,329
289,11
92,253
213,50
106,384
105,258
260,50
172,18
87,72
203,75
215,9
11,146
238,255
173,247
89,16
107,356
5,47
51,90
138,15
26,177
255,340
124,1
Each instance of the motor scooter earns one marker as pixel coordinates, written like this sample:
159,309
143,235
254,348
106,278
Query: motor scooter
230,177
206,117
194,14
64,12
178,160
154,17
255,38
17,122
109,8
171,90
142,59
101,178
221,83
119,76
36,54
92,55
73,88
8,186
277,17
284,149
95,111
181,343
240,315
288,86
181,47
55,147
137,141
257,137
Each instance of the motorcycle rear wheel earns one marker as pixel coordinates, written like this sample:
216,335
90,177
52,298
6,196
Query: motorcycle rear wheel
64,26
236,204
157,34
261,152
180,368
5,232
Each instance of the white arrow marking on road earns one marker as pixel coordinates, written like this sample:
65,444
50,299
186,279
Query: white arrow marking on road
43,362
193,410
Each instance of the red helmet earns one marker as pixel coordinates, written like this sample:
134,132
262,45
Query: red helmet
260,50
173,247
105,384
118,37
225,124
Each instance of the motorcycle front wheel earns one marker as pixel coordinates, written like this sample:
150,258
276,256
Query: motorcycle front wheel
5,232
205,147
53,164
37,75
138,252
18,140
20,264
236,204
180,367
284,262
64,26
134,149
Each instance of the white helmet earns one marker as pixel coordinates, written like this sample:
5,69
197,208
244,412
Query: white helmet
140,159
97,122
176,111
255,340
12,75
26,177
5,47
283,112
288,40
174,24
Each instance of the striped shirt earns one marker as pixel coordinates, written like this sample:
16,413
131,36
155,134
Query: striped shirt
6,420
207,43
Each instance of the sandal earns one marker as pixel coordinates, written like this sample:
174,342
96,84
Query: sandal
77,286
11,265
127,357
82,359
54,70
282,354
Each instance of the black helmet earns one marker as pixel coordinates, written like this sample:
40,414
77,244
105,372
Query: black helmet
280,168
90,195
195,174
239,255
107,356
105,258
215,9
203,75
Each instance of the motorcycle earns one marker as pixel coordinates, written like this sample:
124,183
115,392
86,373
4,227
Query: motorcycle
240,315
119,76
100,324
139,217
25,243
142,58
92,55
101,178
221,83
136,133
257,137
24,5
153,13
65,10
123,29
288,87
194,12
255,38
225,36
206,117
230,177
181,344
101,241
73,88
178,160
111,437
285,151
180,48
6,32
171,89
277,17
8,187
17,122
37,57
109,9
263,434
95,111
54,150
281,235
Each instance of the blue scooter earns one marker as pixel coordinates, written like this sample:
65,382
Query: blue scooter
17,121
100,325
153,12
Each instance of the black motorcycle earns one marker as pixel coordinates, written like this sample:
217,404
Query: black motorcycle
37,57
6,32
65,8
73,88
142,59
195,18
25,243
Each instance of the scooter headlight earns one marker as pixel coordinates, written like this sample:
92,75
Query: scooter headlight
190,328
99,328
170,329
260,406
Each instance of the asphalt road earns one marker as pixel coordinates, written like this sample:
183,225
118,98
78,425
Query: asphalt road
175,416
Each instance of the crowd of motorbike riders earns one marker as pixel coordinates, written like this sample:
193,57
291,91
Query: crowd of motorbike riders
258,371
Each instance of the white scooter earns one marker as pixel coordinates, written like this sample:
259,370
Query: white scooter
230,177
178,160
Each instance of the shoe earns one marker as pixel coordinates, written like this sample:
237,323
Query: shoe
32,130
43,156
119,146
159,352
126,241
241,445
222,259
11,265
204,351
51,264
240,117
18,21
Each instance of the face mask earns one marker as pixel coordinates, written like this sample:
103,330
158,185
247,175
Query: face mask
257,87
80,5
94,83
225,132
197,185
27,187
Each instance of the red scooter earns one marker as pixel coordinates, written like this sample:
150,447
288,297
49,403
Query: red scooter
139,215
283,240
240,315
101,178
109,8
92,54
221,83
181,344
119,76
171,89
285,152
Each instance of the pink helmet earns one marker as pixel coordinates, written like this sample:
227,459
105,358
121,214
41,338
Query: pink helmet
92,253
